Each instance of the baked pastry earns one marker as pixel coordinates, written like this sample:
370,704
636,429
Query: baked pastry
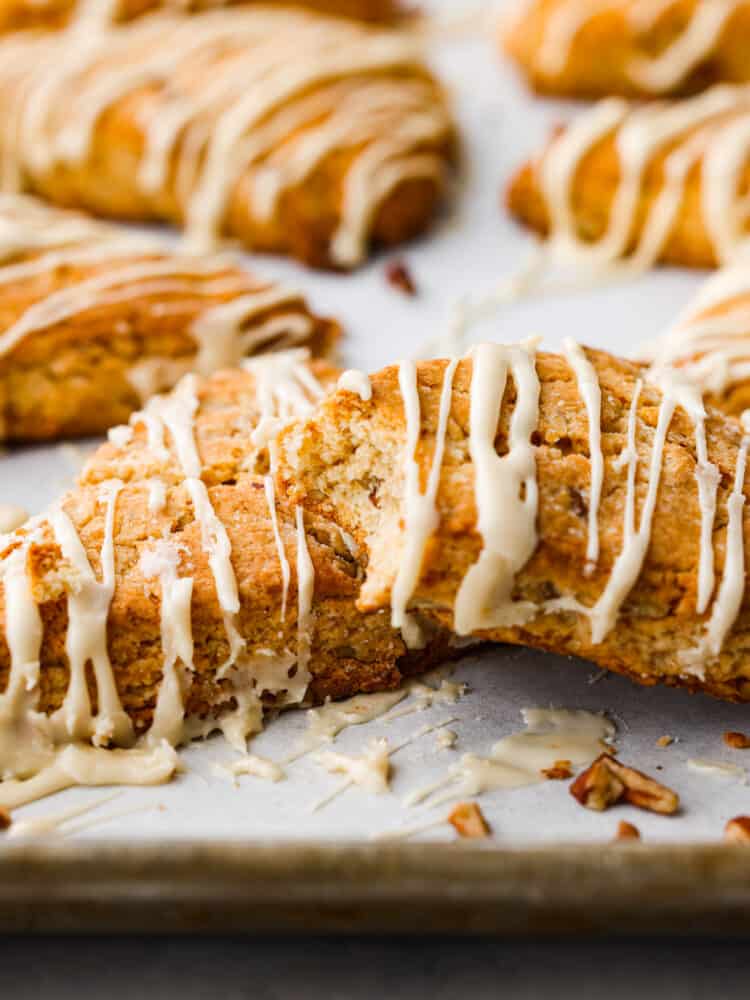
286,131
94,320
559,502
634,48
710,341
665,183
194,592
22,14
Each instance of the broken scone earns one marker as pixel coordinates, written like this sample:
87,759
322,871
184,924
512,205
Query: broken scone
636,48
176,591
561,502
94,320
624,187
284,130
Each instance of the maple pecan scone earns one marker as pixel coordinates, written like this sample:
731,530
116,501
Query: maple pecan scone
560,502
710,341
94,320
16,15
283,130
626,187
635,48
175,591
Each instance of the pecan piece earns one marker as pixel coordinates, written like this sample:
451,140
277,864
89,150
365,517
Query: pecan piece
608,781
468,820
737,830
398,275
4,819
560,771
627,831
737,741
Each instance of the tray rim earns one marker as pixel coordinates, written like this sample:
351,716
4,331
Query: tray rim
312,887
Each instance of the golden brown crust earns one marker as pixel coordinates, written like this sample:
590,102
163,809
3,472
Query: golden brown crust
607,45
308,212
348,459
350,652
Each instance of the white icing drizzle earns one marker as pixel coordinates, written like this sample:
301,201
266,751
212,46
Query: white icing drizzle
286,573
710,342
11,517
251,764
305,591
588,386
273,74
327,721
718,769
728,601
505,488
356,382
658,74
86,642
517,760
286,390
421,516
162,561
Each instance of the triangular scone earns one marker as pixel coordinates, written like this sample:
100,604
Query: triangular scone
175,591
635,48
573,507
710,341
94,320
21,14
285,130
663,183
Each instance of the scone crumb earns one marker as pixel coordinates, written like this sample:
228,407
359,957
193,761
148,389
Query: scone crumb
737,741
737,830
468,821
608,782
561,770
399,276
627,831
5,819
665,741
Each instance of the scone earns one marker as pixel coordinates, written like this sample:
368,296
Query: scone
634,48
22,14
175,591
283,130
559,502
710,341
94,320
664,183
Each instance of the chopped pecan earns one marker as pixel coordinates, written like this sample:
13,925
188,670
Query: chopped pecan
560,771
608,781
627,831
737,741
737,830
468,820
4,819
398,275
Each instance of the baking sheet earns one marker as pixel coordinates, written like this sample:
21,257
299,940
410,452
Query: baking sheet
473,246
